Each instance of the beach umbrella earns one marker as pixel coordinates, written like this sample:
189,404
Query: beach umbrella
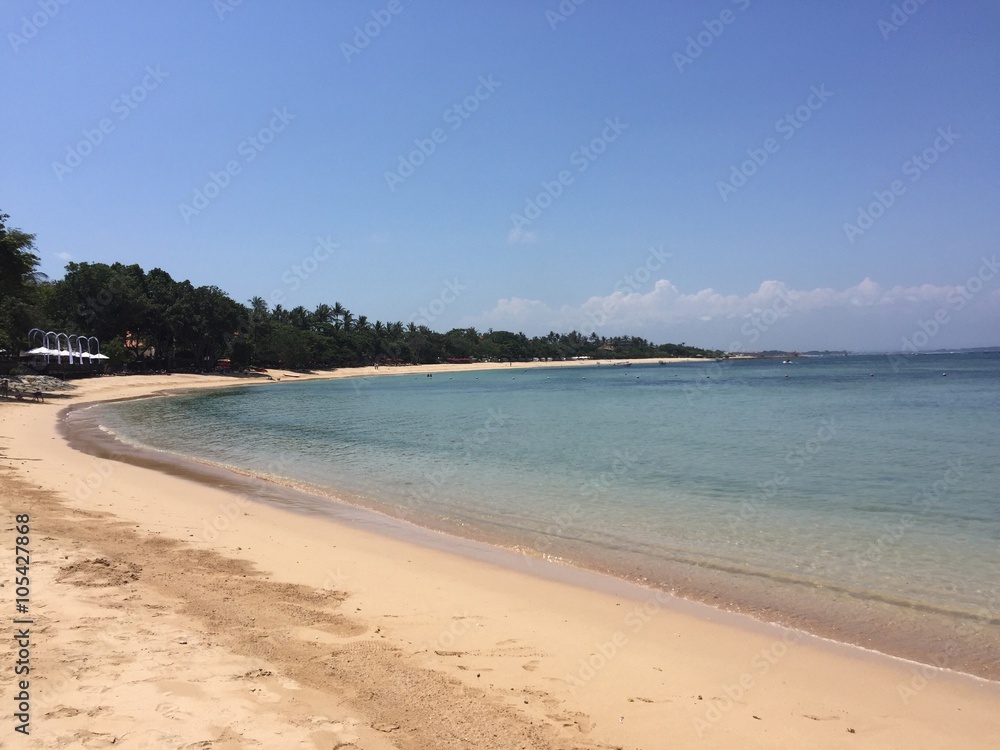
42,350
99,356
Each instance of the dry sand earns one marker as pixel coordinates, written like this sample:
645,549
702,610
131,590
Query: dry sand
283,630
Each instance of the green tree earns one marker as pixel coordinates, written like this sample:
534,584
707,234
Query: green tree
20,308
338,314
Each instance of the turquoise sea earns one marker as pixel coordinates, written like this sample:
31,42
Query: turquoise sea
857,497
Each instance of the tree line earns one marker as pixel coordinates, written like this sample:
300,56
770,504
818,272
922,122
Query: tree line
148,320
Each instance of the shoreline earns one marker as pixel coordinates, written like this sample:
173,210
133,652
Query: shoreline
690,596
864,620
379,575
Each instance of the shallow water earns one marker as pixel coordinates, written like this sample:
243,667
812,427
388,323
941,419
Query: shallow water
853,493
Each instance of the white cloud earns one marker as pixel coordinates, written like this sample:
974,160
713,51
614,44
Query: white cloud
864,316
64,256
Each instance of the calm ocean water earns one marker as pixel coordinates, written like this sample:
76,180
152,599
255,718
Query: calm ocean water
839,492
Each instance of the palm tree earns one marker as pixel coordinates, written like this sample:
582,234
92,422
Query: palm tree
379,329
258,308
362,323
299,317
348,319
338,313
323,314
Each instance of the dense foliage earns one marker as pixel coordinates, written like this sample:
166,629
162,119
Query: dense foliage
21,292
148,320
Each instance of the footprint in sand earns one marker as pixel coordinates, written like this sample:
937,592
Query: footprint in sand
264,695
86,738
530,666
62,712
173,711
346,732
574,719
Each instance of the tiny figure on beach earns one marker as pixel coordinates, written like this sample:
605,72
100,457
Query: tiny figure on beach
5,388
37,396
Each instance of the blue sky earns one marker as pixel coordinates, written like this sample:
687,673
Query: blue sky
699,172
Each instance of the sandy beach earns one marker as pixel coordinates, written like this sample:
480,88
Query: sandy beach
171,613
